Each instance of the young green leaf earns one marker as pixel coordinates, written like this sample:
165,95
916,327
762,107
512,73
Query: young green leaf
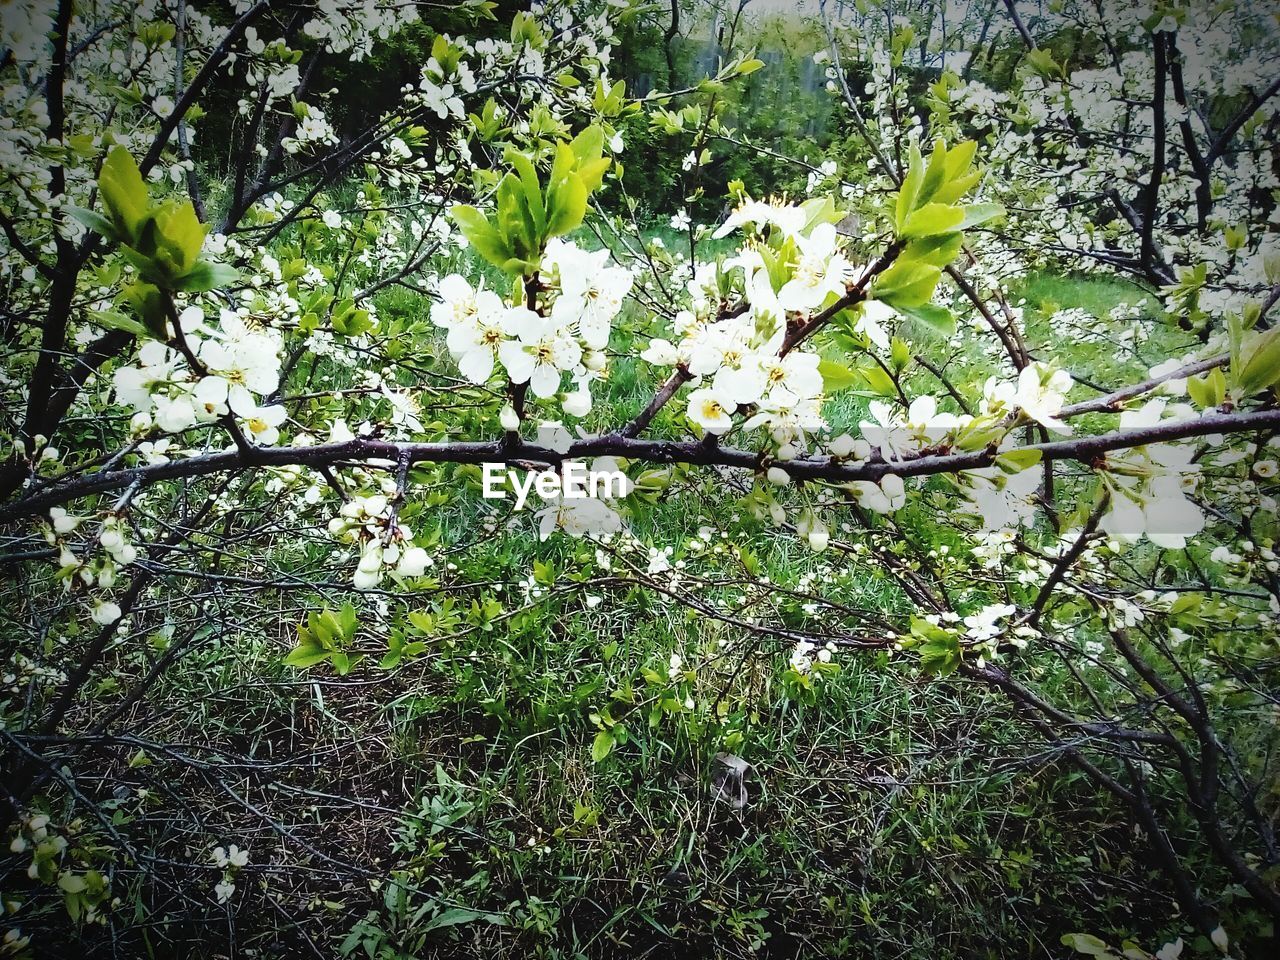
180,237
206,276
933,219
481,234
1259,362
602,745
1015,461
566,205
907,284
150,305
979,213
123,193
93,221
933,318
113,320
910,188
532,188
837,377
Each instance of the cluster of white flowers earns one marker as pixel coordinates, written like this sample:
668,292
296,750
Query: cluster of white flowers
25,29
437,90
898,438
1002,500
1041,115
385,544
1039,392
22,673
737,361
241,367
353,28
805,653
581,517
888,495
538,348
312,130
275,72
825,171
1149,485
86,570
37,833
230,860
985,623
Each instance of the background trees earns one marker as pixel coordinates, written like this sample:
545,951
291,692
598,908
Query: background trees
935,340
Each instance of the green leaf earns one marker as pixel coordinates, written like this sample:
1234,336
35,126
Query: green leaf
899,354
958,178
1041,60
1087,944
933,219
592,173
532,188
910,188
150,305
516,221
589,144
936,251
455,916
93,221
940,655
348,620
837,377
118,321
481,234
586,149
935,174
1207,391
147,267
567,206
959,159
181,237
935,319
1015,461
879,381
206,275
544,572
70,883
128,96
979,213
1259,362
343,662
602,745
123,192
907,284
302,657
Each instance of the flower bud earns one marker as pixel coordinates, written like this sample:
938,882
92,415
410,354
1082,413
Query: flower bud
841,446
577,404
413,562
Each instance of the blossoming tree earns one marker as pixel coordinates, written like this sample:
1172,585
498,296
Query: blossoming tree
207,380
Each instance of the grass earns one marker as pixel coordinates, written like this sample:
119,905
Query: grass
908,816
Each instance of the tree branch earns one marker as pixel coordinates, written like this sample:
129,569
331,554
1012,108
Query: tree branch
1083,449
